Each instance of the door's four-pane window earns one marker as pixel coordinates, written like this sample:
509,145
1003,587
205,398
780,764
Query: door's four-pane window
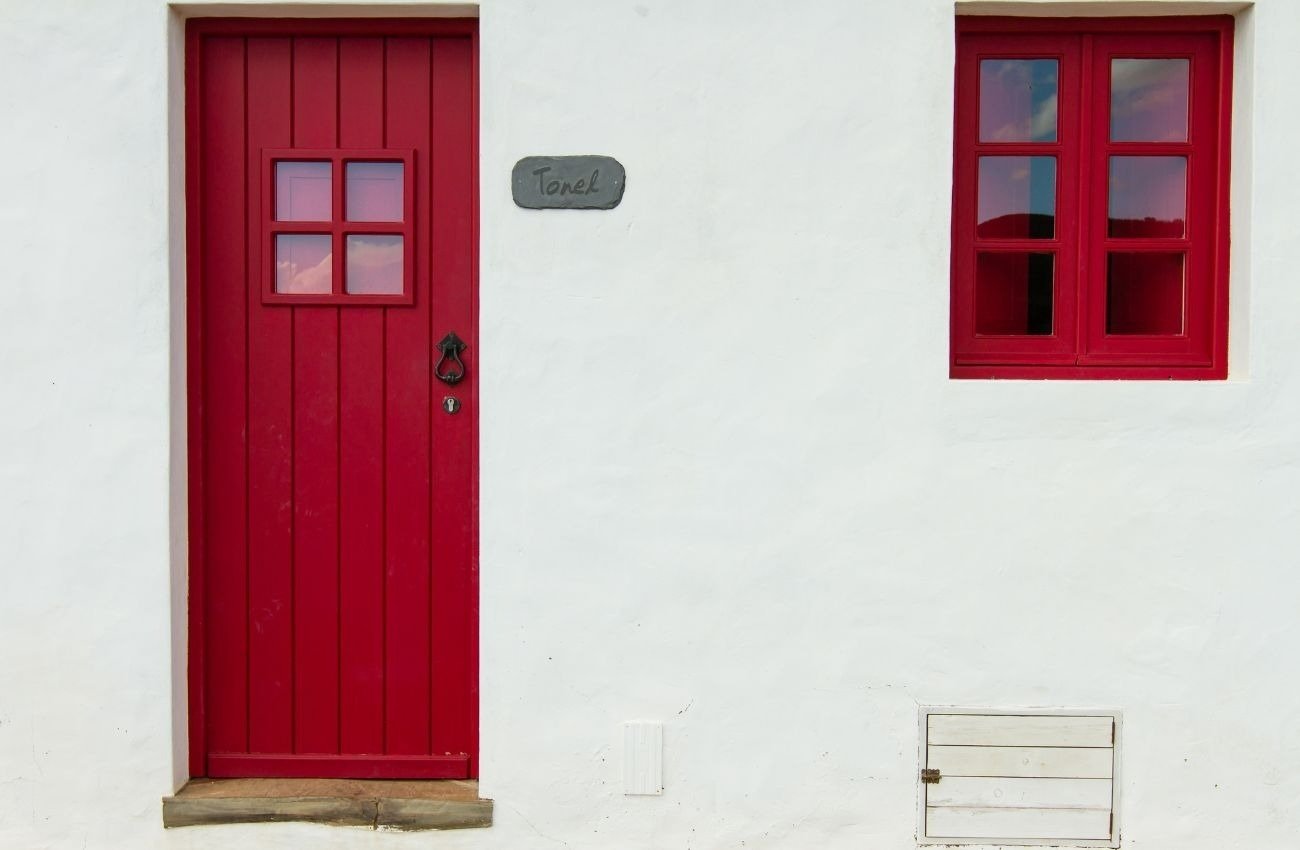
340,227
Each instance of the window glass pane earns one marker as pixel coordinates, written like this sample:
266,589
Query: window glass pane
1148,197
1018,100
1148,100
1017,197
374,264
1144,294
374,191
303,263
302,191
1013,293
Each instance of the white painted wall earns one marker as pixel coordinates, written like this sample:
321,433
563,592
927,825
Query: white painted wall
726,481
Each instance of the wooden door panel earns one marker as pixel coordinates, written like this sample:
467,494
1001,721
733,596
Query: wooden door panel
334,592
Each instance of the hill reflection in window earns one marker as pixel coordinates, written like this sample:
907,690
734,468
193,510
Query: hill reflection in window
1016,197
1148,197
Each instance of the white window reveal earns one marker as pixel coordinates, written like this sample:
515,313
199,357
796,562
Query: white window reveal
1019,777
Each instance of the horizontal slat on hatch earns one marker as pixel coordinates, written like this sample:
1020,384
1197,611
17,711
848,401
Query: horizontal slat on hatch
1035,793
1020,730
1018,823
1066,762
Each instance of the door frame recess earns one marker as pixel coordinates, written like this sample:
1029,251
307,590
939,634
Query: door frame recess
196,29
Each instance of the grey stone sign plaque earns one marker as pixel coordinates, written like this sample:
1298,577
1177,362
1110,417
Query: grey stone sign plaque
568,182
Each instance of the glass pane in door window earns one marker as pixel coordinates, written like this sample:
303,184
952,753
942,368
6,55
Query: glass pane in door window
1013,293
1144,293
374,264
1148,197
1016,197
1148,100
1018,100
374,191
303,191
303,263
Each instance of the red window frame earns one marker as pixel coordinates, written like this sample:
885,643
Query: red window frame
338,228
1079,347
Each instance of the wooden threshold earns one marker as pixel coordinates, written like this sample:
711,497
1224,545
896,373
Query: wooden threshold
404,804
287,765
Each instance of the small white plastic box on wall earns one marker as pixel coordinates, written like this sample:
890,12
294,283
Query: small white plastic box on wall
1019,777
643,758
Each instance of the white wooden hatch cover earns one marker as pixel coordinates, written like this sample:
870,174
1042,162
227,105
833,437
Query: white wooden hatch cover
1019,777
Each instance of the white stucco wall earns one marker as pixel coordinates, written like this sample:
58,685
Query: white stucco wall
726,481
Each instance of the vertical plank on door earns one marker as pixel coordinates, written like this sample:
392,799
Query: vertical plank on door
270,431
452,225
407,414
223,330
361,429
316,443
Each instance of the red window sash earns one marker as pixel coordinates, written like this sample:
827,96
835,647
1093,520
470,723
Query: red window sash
1058,347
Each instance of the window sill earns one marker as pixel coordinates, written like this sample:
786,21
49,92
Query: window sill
377,804
1089,373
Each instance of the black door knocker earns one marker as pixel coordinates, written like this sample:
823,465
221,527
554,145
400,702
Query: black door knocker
450,346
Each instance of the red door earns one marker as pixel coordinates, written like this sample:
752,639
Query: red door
332,230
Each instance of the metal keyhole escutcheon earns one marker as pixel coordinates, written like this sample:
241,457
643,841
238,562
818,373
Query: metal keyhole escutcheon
450,368
451,404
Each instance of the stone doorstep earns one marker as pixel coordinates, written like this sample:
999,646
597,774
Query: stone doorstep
373,803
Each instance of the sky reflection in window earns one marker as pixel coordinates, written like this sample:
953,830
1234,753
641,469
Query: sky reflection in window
1018,100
